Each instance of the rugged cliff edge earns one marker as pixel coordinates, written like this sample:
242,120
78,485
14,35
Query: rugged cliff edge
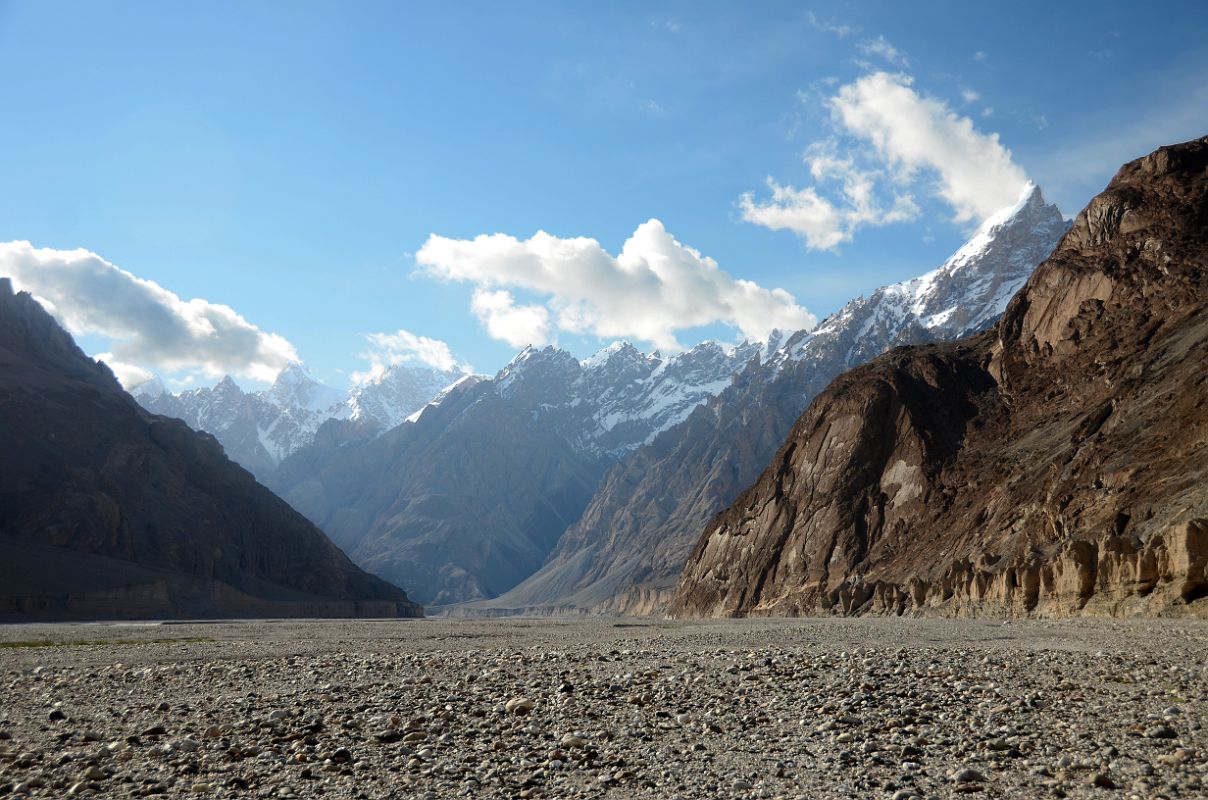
107,511
1054,465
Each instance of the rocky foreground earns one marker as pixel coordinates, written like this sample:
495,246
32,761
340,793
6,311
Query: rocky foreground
814,708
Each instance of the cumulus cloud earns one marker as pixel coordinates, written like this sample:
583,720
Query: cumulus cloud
652,288
404,347
128,375
975,174
148,325
891,143
825,224
504,320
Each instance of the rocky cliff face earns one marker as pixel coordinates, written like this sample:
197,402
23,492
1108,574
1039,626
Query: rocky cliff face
1053,465
626,552
109,511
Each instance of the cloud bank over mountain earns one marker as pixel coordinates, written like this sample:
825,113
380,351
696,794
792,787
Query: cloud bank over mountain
654,287
891,144
404,347
149,326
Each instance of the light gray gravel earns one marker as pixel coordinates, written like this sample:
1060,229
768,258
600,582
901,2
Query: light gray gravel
862,708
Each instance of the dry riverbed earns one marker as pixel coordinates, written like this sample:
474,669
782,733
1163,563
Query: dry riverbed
877,708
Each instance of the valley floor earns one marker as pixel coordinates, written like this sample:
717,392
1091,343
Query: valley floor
814,708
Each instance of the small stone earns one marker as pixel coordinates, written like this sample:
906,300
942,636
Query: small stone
573,742
968,775
1160,732
1103,781
56,715
95,773
519,706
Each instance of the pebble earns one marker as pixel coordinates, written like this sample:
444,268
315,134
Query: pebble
968,775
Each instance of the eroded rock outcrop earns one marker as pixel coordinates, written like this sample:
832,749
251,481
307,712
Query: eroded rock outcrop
1053,465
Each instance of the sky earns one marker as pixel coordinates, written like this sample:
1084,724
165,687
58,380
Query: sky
197,189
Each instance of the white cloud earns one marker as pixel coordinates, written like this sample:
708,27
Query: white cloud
828,26
891,144
975,174
881,48
980,55
651,107
508,322
147,324
970,96
404,347
128,375
652,288
825,224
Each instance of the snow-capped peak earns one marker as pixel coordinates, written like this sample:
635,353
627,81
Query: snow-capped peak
965,293
259,429
296,387
606,354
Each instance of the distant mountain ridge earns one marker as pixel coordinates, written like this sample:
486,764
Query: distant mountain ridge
259,429
466,498
626,551
108,511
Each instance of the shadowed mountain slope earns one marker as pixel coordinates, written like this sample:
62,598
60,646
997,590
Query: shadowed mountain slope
108,511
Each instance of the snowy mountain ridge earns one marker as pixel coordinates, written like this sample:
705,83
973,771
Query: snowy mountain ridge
964,294
260,429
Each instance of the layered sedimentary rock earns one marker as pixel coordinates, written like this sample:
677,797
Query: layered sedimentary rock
1053,465
108,511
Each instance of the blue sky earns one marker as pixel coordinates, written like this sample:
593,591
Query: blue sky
290,160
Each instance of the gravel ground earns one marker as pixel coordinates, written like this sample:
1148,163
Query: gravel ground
862,708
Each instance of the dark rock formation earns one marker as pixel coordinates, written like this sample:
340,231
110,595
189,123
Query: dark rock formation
1053,465
108,511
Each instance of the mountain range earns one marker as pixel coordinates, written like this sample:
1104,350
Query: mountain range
467,498
625,552
992,437
560,485
259,429
563,485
